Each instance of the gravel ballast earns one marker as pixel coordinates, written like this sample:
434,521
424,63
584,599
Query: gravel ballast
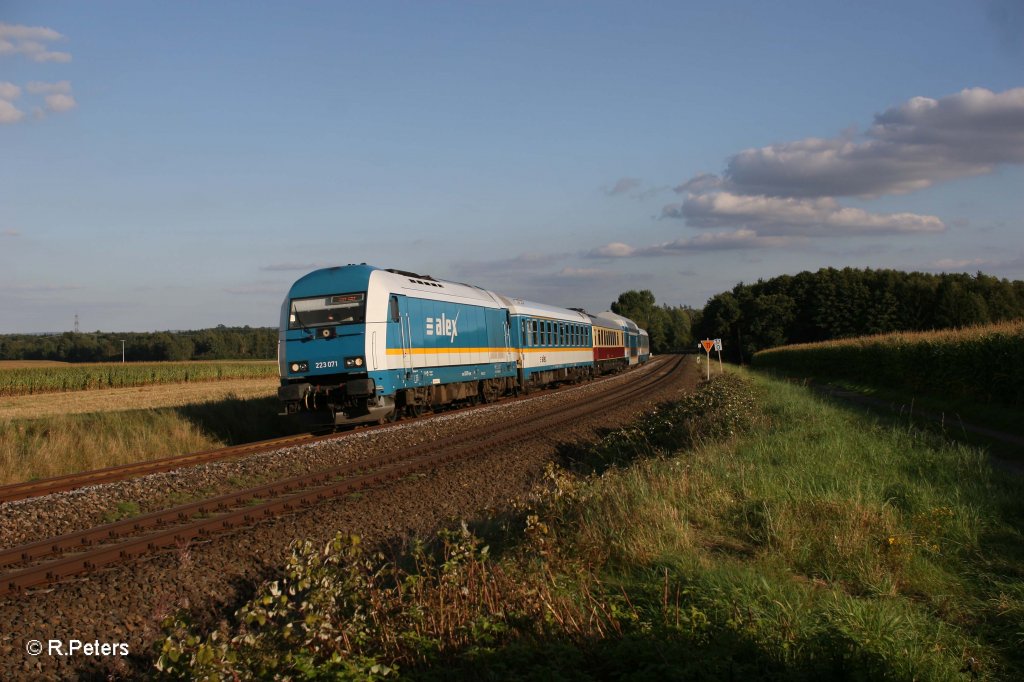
126,603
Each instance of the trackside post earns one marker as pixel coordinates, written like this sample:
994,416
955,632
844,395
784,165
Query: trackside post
708,344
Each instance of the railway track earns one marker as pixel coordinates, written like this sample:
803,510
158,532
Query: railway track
51,560
57,484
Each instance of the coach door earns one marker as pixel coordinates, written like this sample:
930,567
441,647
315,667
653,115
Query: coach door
400,331
508,339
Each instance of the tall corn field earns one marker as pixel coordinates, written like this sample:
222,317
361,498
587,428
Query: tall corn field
27,380
984,363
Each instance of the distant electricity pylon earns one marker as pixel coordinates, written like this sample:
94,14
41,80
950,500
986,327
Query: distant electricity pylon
76,323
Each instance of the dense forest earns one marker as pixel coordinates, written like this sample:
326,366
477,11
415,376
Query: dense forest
220,343
832,304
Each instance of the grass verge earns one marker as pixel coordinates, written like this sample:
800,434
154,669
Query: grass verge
750,531
57,445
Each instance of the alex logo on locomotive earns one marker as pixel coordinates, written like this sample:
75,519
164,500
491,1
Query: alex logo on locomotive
443,326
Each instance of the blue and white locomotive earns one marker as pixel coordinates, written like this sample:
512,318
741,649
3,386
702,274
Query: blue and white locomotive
362,344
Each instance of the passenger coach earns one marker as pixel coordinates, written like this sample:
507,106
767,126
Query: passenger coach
360,344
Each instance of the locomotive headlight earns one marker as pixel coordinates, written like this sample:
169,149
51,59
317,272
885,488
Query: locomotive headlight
354,362
298,366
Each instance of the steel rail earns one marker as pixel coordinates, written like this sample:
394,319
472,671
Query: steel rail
288,495
45,486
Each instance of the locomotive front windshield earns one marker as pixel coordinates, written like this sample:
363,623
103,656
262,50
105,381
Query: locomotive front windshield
324,311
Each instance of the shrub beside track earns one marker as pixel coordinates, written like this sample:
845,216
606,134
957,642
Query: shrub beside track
983,364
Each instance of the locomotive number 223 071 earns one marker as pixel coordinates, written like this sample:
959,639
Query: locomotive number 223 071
325,365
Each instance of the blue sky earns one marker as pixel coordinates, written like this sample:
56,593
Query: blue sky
177,165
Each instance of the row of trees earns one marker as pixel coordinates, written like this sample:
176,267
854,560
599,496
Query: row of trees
832,304
810,306
669,327
221,343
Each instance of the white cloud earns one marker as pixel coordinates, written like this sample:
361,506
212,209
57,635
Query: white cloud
9,91
31,42
41,88
9,113
613,250
718,241
701,182
961,263
60,103
56,97
728,240
1013,266
908,147
581,273
623,186
820,217
17,32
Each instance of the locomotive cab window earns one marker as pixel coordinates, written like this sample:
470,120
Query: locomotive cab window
325,311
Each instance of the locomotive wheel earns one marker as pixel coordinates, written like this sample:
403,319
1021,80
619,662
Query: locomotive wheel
414,410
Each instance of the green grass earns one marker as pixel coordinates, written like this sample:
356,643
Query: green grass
751,531
950,415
